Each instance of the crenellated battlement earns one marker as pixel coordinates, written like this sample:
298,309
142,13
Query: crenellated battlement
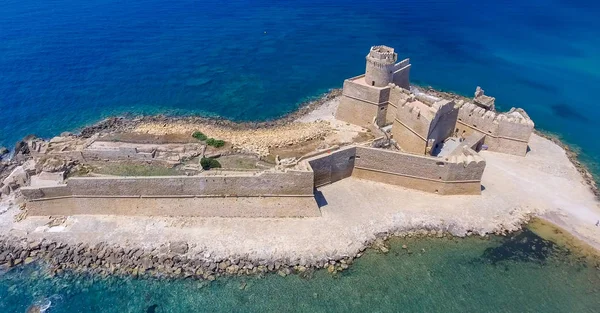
506,132
478,117
383,54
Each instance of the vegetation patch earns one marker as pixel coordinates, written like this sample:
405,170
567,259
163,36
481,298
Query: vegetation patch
208,163
199,135
215,142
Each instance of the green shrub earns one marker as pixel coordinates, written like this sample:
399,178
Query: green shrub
199,135
208,163
215,142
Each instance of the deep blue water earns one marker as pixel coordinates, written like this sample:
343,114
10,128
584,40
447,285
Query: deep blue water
67,63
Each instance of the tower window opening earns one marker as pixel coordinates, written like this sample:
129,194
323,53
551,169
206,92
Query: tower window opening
373,83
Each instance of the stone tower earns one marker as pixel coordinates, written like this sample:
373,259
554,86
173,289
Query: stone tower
380,66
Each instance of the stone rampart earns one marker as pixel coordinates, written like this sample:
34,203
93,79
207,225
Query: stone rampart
287,183
79,194
411,126
401,75
505,132
454,175
332,166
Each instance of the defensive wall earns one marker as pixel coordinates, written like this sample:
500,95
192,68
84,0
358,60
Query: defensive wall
278,193
423,125
504,132
459,173
272,193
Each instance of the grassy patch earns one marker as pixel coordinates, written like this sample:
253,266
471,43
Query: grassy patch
208,163
215,142
199,135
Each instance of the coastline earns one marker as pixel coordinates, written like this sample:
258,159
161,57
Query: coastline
181,259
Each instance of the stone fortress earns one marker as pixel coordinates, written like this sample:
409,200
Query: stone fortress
421,142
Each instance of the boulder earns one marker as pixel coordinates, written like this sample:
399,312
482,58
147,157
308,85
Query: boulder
179,247
3,151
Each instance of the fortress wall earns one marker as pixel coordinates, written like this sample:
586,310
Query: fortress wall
397,96
250,207
444,122
479,119
466,166
399,163
332,166
288,183
356,112
267,194
503,133
420,172
506,146
265,183
514,129
401,75
411,129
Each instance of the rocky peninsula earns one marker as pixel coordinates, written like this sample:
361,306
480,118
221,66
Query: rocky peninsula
357,214
196,197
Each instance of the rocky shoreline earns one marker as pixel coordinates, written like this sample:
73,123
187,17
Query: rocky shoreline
126,123
175,259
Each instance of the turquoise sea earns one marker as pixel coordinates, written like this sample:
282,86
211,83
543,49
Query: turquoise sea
519,274
65,64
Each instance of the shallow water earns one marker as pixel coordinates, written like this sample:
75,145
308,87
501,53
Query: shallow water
521,273
67,63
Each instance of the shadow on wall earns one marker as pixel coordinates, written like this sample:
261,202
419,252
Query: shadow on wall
320,198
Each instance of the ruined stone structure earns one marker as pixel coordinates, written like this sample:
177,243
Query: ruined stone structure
481,100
